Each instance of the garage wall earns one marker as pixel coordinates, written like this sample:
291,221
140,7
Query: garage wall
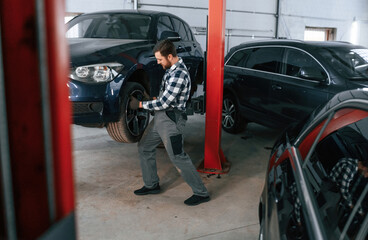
84,6
247,20
337,14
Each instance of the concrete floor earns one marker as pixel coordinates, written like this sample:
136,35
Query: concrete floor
107,173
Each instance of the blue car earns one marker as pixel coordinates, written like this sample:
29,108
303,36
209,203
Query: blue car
112,59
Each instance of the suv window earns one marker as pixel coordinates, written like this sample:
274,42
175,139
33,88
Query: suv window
351,63
164,24
179,28
239,58
296,59
189,32
265,59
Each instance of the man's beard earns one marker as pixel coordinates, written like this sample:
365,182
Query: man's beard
168,65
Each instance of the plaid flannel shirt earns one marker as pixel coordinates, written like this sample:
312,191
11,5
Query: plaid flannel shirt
342,174
175,89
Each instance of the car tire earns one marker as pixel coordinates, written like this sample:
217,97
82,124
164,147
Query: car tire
232,121
132,123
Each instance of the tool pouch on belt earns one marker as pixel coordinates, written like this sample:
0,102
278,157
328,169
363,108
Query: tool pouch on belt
171,114
175,114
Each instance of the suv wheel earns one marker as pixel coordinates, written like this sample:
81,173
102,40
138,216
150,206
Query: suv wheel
232,121
132,123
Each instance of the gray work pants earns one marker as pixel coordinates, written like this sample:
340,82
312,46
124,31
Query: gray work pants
168,127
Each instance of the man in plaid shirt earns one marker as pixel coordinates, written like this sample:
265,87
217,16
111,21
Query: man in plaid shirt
168,125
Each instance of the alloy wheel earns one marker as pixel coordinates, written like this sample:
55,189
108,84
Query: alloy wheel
228,113
137,120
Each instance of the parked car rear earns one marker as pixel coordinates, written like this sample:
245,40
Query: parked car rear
277,82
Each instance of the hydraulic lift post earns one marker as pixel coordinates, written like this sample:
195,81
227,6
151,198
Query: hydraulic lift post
214,160
37,189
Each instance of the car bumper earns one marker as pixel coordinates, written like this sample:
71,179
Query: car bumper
95,104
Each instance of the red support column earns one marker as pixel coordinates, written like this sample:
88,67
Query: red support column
214,159
34,73
58,70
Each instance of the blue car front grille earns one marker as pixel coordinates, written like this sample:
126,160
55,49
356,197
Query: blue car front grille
87,107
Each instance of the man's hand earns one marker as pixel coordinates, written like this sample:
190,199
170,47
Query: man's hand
134,103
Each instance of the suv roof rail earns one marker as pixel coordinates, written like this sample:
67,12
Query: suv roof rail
343,42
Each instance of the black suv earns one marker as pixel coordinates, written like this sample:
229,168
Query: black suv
277,82
112,59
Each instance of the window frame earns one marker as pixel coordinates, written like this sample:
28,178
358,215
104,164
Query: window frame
282,72
158,22
183,24
283,68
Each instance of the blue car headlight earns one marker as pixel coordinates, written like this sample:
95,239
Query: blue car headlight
96,73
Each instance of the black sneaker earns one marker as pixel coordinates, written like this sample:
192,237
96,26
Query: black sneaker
195,200
145,191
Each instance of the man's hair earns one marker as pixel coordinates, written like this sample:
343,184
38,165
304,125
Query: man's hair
165,47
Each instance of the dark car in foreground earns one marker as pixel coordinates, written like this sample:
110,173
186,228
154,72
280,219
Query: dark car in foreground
317,179
277,82
112,59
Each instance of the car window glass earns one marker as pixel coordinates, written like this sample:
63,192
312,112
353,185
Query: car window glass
179,28
164,24
338,174
296,60
350,63
189,32
78,30
120,26
239,58
266,59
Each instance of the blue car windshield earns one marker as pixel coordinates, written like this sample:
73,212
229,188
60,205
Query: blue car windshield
351,63
113,26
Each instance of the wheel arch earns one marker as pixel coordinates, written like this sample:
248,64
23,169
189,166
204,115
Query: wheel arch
198,78
139,76
230,91
199,75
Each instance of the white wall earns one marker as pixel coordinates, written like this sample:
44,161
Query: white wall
84,6
337,14
247,19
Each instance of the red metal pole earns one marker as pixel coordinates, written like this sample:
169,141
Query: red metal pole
23,98
214,159
38,114
58,65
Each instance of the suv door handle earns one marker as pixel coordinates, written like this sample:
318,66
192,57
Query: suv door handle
276,87
194,45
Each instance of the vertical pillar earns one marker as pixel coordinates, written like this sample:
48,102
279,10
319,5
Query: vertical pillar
214,159
34,74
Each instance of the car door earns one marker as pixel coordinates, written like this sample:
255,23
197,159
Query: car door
302,87
254,79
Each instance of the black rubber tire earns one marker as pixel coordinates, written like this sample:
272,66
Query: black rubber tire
132,123
232,121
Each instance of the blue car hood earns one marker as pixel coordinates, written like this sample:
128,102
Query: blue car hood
84,51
